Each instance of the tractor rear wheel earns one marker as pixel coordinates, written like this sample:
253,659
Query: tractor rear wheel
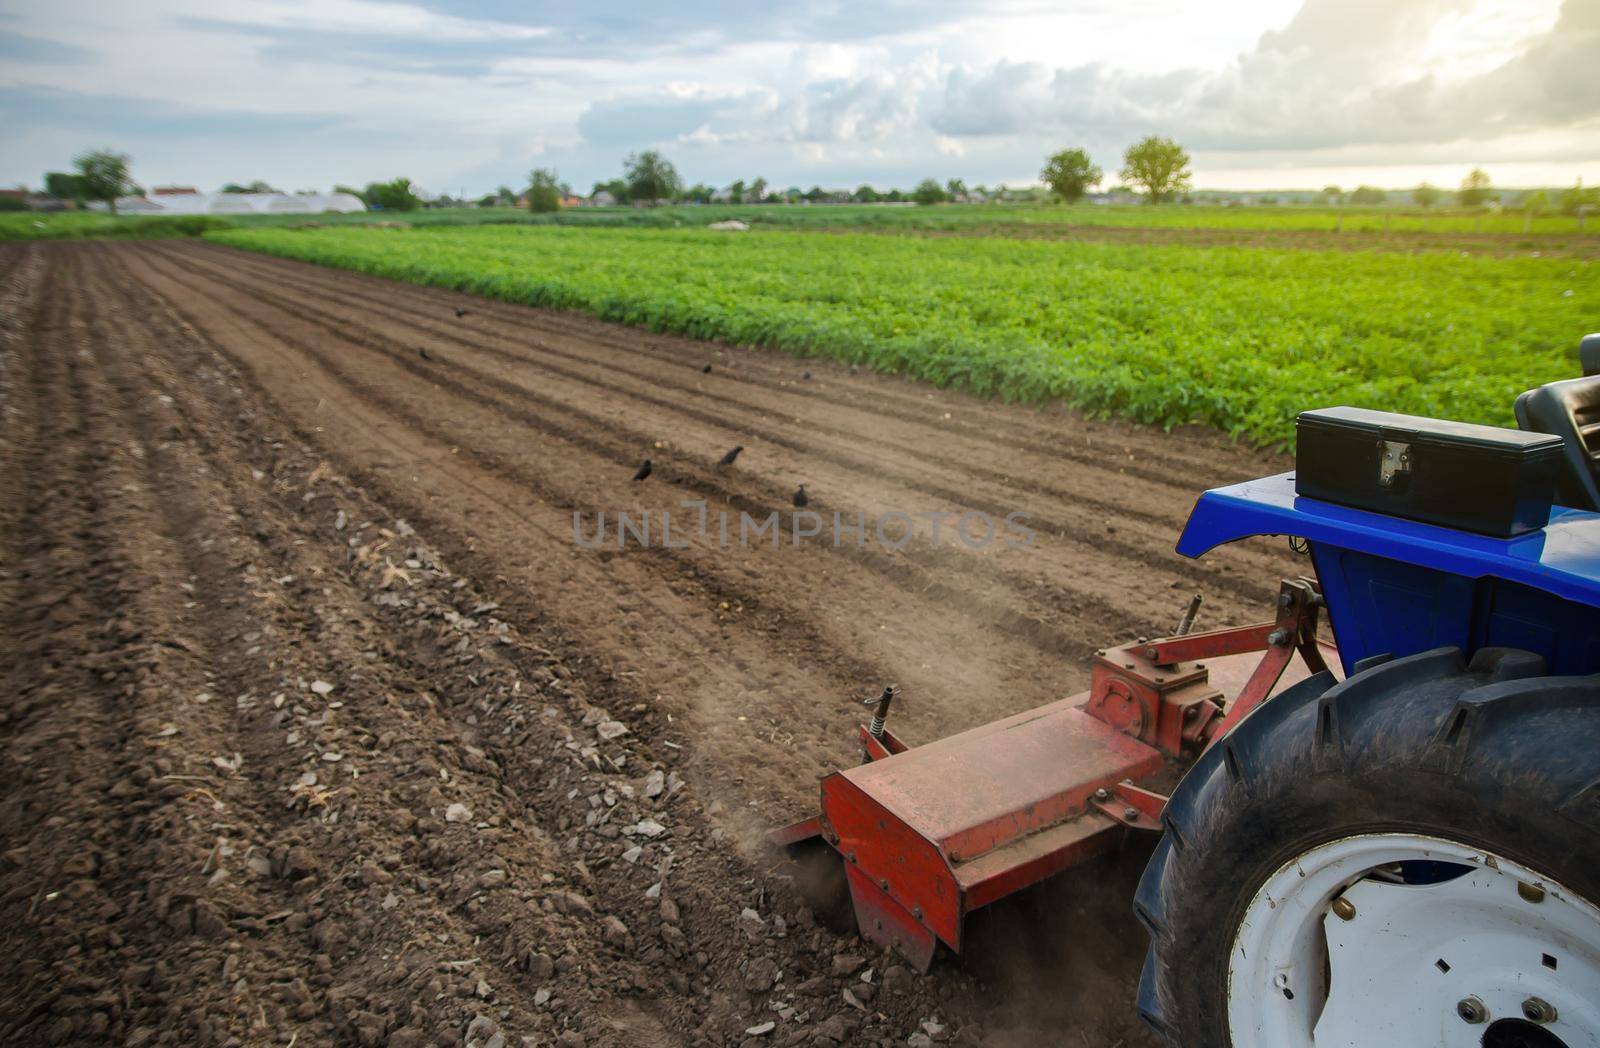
1411,856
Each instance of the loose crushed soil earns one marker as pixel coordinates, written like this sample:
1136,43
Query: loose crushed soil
321,728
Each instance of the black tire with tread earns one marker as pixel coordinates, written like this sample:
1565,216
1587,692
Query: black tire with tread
1492,754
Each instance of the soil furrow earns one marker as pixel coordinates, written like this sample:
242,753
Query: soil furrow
1146,541
530,333
511,400
868,394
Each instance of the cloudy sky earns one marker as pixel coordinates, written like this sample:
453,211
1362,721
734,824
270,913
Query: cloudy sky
467,95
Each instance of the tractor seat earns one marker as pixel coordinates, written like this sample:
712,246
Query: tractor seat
1570,410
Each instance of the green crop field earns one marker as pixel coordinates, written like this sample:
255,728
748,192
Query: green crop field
89,225
1364,226
910,218
1239,338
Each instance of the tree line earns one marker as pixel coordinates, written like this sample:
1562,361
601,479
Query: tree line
1155,166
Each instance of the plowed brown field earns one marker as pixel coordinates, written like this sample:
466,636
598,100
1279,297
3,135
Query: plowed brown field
322,727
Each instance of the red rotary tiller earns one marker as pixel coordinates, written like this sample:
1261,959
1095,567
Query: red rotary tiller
928,834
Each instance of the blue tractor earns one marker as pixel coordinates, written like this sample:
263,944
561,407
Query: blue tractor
1393,841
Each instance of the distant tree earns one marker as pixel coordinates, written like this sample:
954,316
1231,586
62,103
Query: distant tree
64,186
347,189
1069,174
1368,196
699,193
104,175
816,193
865,194
1331,194
736,191
758,191
544,190
955,189
651,177
1536,202
257,186
928,192
1474,191
1572,200
1425,196
1158,164
395,195
894,196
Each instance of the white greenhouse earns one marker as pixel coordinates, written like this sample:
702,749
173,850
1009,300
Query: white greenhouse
242,204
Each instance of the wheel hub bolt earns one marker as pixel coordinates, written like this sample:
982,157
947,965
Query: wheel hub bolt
1344,909
1538,1010
1471,1010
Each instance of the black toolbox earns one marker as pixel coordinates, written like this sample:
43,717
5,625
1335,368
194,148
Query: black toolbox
1476,478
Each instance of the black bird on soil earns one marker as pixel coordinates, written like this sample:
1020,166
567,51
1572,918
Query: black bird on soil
706,370
644,471
727,460
423,354
461,313
800,499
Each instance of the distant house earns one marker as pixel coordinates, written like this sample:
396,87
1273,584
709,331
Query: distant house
20,195
603,199
571,200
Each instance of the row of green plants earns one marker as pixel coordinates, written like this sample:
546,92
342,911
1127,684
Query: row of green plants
1366,225
983,217
1241,339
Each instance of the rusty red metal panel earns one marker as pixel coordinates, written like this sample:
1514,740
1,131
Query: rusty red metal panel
944,828
796,832
972,792
1031,859
901,861
884,921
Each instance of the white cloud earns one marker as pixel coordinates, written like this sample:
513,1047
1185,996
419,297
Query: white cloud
881,92
371,17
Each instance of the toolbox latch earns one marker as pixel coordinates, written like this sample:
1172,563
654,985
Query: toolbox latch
1394,465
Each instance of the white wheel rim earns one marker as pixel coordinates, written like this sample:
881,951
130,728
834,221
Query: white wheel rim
1300,975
